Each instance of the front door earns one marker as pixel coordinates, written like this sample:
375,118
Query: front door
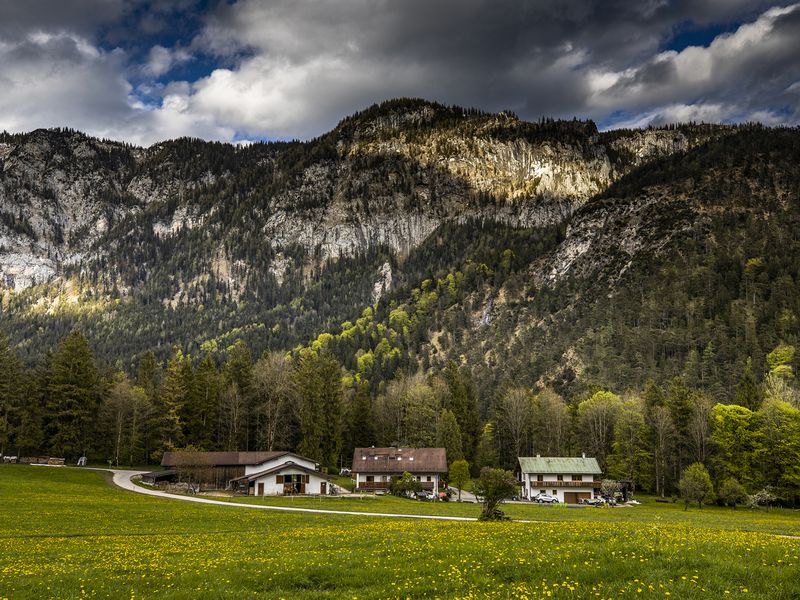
323,488
260,489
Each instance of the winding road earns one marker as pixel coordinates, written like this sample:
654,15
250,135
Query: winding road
122,479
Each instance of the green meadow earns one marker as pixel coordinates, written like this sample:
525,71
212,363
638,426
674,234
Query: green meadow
66,533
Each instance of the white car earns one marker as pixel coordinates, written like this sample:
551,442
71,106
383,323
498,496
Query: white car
545,499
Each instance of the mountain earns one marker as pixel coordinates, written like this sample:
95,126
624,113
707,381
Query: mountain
541,252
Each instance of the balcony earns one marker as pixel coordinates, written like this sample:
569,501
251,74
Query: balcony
372,486
565,484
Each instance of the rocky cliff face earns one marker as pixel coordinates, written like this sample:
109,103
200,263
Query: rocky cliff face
388,178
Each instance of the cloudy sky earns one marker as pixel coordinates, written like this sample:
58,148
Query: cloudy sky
147,70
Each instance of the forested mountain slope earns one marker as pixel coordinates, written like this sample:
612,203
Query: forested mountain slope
194,243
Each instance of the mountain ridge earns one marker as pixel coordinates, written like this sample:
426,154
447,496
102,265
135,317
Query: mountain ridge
199,243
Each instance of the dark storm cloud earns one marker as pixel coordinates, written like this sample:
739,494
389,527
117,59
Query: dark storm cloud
81,17
292,68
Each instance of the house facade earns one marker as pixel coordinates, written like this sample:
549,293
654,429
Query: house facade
254,473
374,468
568,479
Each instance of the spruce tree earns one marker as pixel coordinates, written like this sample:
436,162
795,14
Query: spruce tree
448,435
362,422
169,405
319,387
748,393
74,395
10,374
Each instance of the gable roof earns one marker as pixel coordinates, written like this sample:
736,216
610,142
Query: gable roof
287,465
559,465
223,459
399,460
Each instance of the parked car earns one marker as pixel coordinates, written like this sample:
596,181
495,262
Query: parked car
545,499
425,495
593,501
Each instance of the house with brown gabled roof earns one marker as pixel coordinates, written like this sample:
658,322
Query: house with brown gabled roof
275,473
374,468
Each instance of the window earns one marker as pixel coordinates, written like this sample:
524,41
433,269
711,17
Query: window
540,478
370,478
294,478
560,477
577,478
555,492
429,477
542,491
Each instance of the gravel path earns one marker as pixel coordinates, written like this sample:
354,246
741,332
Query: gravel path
122,479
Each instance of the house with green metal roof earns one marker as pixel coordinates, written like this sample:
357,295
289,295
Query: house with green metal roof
567,478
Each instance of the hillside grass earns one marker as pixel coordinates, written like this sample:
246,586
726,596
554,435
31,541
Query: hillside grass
66,533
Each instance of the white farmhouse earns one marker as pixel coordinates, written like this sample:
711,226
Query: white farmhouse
568,479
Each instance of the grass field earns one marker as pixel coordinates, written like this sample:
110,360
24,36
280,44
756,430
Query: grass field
66,533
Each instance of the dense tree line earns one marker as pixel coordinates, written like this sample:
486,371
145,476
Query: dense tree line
306,401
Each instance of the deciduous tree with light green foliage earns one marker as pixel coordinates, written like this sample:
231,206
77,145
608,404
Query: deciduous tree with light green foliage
731,492
405,485
695,485
459,475
732,434
780,361
492,487
630,459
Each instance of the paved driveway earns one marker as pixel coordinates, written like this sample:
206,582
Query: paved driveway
122,478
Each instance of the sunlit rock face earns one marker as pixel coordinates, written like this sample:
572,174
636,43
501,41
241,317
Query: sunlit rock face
386,178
